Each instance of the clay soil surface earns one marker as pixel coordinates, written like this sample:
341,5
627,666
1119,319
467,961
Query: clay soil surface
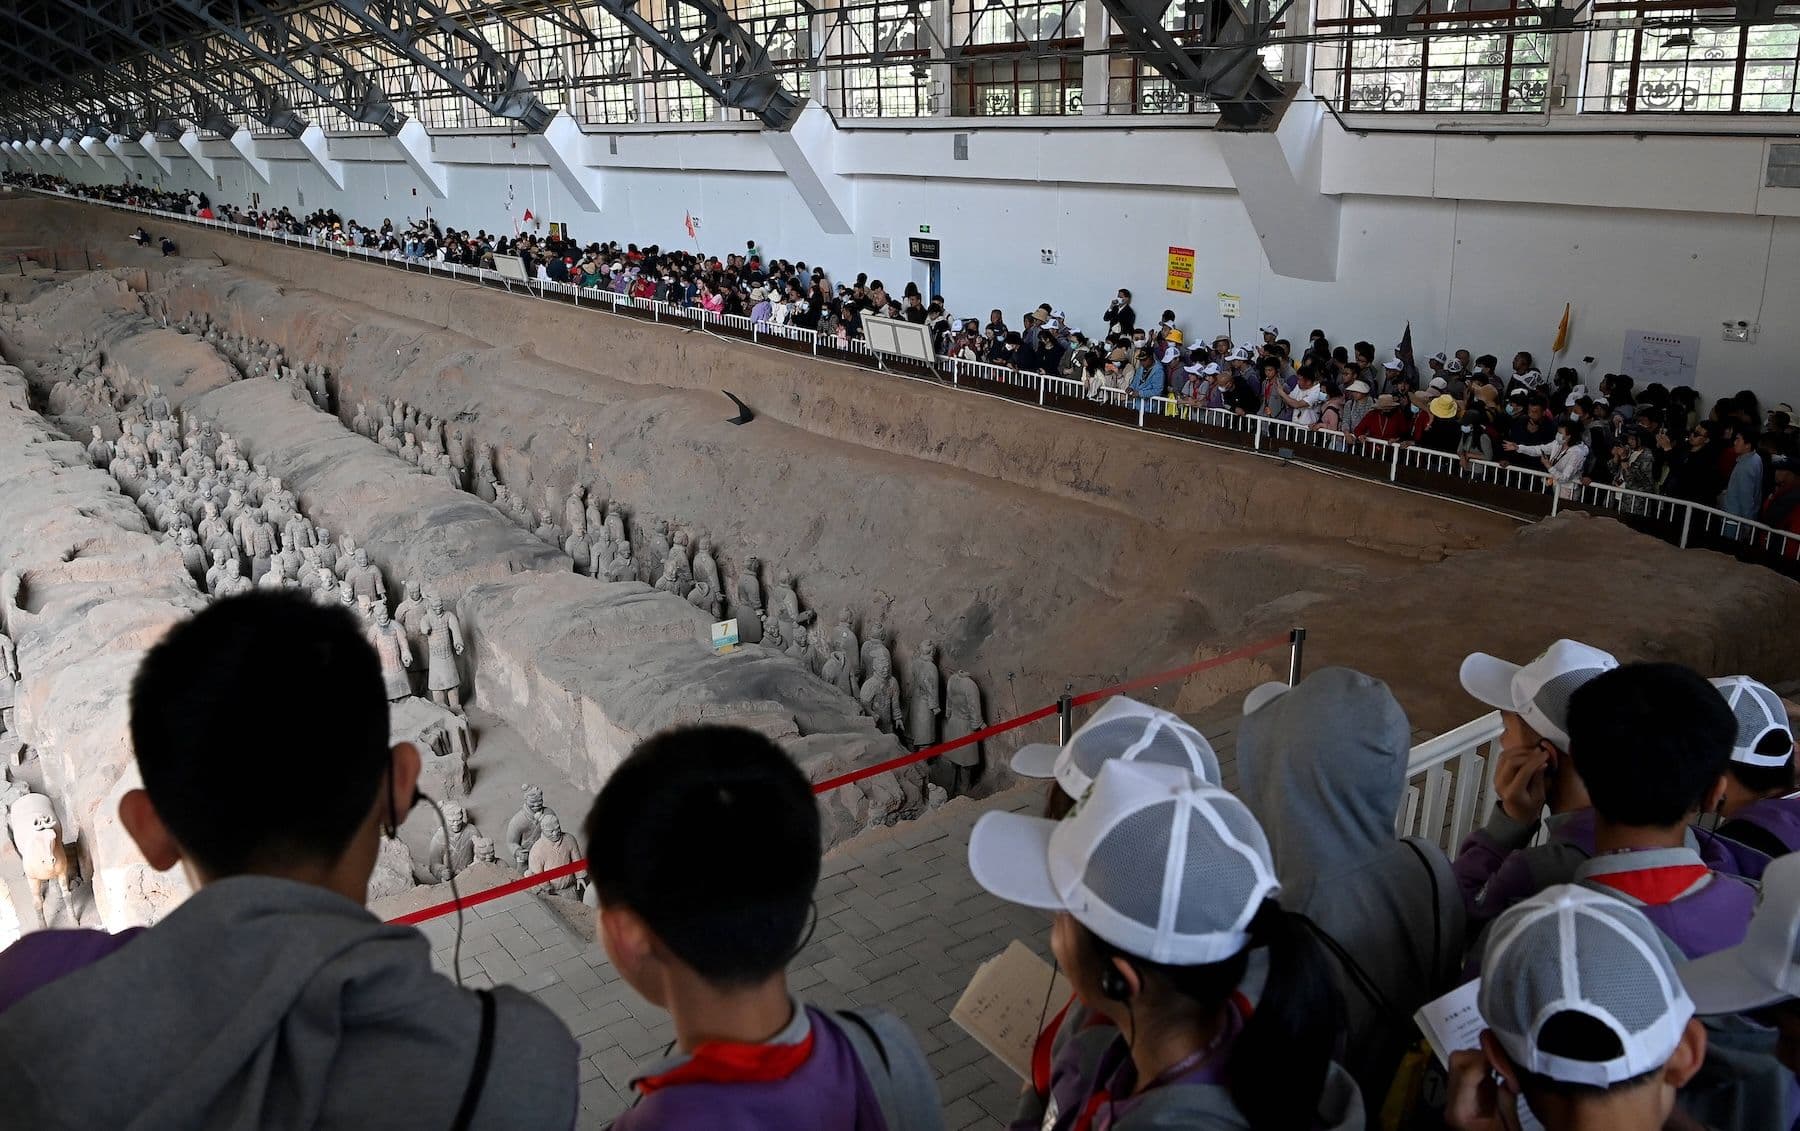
1039,551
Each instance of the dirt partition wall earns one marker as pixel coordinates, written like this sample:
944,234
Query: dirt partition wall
581,668
96,588
1055,550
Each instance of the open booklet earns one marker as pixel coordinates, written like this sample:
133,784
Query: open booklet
1453,1023
1010,998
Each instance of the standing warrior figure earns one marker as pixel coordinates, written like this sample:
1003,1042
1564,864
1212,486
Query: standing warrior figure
522,830
389,640
444,642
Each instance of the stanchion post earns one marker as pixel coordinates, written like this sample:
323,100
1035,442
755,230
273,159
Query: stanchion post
1065,718
1296,645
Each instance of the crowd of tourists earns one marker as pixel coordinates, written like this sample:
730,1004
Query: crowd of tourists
1735,453
1246,959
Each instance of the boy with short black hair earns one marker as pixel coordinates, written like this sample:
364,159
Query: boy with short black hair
1651,742
703,850
271,997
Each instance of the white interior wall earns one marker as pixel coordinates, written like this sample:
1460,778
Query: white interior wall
1478,242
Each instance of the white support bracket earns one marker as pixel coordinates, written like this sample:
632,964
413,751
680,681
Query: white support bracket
563,147
245,143
806,151
72,151
414,143
191,142
152,146
96,152
117,144
313,141
1277,174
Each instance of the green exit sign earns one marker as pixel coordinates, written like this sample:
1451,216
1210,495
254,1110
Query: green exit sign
924,228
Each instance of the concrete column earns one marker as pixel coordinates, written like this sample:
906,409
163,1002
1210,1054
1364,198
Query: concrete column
1096,65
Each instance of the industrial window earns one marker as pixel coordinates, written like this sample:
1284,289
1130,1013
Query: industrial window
1656,58
1489,60
1020,58
881,55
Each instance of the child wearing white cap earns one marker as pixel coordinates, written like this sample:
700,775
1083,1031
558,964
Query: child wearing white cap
1586,1020
1496,866
1759,816
1163,887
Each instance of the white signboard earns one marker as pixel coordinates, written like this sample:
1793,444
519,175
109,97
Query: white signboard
1673,359
882,246
725,635
1229,305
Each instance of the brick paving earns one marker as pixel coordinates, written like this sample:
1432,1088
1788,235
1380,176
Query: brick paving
902,925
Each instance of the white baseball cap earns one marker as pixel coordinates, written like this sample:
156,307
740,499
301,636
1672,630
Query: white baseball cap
1438,383
1393,364
1154,861
1121,730
1570,949
1538,691
1211,370
1765,967
1760,713
1271,328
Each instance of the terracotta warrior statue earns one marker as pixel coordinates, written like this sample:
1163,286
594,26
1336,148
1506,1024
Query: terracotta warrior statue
389,640
449,857
880,695
554,849
747,605
922,709
522,830
444,642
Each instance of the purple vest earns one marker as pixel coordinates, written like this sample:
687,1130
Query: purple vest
42,957
1761,831
1711,914
829,1092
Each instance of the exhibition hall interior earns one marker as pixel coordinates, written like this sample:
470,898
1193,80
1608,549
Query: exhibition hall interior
900,565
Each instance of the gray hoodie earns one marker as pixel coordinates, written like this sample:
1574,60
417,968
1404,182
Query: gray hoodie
1323,767
263,1003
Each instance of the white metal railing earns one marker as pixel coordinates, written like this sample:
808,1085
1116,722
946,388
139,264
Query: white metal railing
1448,788
1682,522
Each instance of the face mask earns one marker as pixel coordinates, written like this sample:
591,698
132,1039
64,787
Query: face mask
1468,428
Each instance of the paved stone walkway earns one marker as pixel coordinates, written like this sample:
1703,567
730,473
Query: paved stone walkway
902,925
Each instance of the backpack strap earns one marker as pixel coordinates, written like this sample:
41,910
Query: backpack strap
904,1085
484,1053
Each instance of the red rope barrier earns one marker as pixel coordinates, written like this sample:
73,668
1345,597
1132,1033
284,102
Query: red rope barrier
525,883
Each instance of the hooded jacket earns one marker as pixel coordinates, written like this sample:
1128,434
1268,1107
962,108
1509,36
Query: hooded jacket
1322,767
263,1003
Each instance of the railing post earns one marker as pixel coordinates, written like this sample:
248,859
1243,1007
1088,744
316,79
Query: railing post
1256,436
1687,515
1041,384
1555,498
1065,718
1140,408
1296,646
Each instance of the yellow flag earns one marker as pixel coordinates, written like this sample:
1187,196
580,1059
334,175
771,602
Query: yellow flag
1562,332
